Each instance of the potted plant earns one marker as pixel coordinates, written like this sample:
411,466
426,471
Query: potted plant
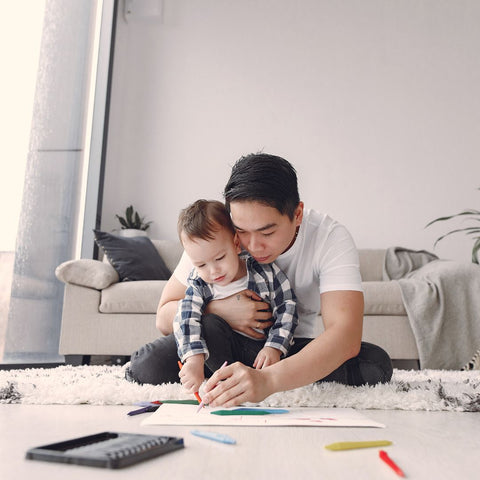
473,231
132,224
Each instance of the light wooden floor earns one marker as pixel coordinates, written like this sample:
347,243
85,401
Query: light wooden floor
427,445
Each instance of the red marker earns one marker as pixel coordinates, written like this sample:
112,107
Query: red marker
384,456
180,365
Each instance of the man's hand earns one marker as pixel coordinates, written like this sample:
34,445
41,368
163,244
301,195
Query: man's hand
266,356
192,374
243,311
236,384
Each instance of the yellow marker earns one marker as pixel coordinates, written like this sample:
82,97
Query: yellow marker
352,445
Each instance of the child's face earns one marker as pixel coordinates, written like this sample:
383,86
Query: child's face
216,261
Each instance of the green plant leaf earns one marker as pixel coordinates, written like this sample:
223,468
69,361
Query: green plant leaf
122,221
133,220
129,214
442,219
138,220
468,230
474,215
475,251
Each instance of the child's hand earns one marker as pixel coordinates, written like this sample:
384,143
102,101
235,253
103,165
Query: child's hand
266,356
192,374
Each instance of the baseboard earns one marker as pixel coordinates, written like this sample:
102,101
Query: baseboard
23,366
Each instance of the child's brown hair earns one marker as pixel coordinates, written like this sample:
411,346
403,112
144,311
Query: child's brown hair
202,218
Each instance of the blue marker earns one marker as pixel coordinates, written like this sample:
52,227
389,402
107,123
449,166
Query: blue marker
217,437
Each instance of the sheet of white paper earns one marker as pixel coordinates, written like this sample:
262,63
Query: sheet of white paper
173,414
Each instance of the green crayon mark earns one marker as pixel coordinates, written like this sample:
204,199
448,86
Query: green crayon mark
240,411
181,402
248,411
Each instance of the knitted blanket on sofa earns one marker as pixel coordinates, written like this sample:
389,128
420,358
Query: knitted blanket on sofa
442,300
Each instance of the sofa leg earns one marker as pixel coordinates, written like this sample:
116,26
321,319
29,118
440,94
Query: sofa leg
86,359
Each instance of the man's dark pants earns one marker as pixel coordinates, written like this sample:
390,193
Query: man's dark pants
156,362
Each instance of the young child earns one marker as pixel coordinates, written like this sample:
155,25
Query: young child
208,237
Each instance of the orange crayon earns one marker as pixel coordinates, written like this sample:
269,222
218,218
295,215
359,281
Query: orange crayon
180,365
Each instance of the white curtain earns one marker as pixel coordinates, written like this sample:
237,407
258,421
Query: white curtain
53,182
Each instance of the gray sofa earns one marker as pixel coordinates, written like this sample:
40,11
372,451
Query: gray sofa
102,316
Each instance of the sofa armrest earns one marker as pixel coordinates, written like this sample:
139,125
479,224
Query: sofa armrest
87,273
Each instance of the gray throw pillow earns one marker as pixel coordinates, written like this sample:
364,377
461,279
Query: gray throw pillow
134,258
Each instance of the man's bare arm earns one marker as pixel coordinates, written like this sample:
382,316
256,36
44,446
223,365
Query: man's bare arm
173,291
342,315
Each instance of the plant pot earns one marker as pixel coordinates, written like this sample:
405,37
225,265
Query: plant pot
132,232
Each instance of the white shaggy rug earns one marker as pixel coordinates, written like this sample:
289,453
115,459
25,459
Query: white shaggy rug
432,390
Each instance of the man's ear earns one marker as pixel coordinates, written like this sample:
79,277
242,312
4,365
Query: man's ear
298,215
236,242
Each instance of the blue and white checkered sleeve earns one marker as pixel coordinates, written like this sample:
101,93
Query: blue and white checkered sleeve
284,311
187,325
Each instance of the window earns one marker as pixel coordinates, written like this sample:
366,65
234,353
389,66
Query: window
62,158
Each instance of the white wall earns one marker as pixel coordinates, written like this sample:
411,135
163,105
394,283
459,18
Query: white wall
375,102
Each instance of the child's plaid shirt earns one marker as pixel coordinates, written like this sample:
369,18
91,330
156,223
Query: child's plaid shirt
266,280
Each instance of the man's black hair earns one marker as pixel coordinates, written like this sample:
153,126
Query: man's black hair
266,179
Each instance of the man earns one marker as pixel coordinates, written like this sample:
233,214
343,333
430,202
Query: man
320,260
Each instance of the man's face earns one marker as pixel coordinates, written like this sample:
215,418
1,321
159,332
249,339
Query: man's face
263,231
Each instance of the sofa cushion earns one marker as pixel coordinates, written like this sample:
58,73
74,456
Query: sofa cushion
134,258
371,264
383,298
87,273
132,297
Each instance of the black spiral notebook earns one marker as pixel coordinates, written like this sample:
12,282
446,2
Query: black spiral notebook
107,449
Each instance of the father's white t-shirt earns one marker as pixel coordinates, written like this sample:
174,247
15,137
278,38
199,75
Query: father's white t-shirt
322,259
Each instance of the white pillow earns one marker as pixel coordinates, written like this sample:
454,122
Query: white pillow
87,273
